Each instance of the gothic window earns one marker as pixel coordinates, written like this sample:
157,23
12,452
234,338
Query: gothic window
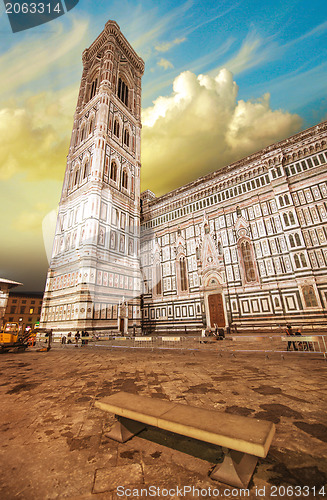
91,125
287,200
82,135
86,169
93,88
126,137
248,261
292,220
183,274
281,201
116,128
292,243
76,177
124,179
113,171
300,260
309,296
286,221
122,91
297,240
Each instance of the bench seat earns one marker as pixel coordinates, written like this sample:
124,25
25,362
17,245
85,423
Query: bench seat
249,438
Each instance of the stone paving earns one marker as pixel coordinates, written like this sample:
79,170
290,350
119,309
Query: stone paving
53,442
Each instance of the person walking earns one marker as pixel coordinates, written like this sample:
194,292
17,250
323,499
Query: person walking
289,331
77,337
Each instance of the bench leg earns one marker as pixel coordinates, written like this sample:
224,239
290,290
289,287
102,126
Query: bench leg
124,429
236,469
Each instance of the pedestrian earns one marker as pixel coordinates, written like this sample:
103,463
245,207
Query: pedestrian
86,335
289,331
77,337
69,336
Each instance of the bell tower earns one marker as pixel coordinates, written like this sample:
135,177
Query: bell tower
93,282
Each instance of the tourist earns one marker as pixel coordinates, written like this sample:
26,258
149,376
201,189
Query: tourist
289,331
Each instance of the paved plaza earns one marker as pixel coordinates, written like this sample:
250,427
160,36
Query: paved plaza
53,442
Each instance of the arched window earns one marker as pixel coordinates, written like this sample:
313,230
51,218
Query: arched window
91,125
287,200
93,88
248,263
76,177
292,241
281,201
122,91
116,128
124,179
286,221
297,240
292,220
309,296
297,261
183,274
113,171
126,137
82,135
86,169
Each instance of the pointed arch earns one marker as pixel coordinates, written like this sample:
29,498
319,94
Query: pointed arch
309,296
124,181
86,168
122,90
116,127
247,259
91,124
113,171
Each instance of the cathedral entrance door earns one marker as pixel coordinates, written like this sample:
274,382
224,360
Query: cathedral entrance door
121,325
216,310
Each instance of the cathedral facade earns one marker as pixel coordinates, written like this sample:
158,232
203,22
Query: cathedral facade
244,245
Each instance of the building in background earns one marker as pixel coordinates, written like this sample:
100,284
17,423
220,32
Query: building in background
5,286
244,245
24,308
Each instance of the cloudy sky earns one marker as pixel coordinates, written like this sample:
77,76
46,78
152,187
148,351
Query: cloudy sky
222,80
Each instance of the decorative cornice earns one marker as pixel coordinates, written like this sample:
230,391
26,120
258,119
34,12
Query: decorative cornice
247,167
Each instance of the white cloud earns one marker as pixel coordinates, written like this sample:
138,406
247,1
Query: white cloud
165,64
165,46
202,127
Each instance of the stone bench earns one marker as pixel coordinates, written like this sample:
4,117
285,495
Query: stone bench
244,438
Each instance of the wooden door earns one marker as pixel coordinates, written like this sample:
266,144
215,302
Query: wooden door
121,325
216,310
